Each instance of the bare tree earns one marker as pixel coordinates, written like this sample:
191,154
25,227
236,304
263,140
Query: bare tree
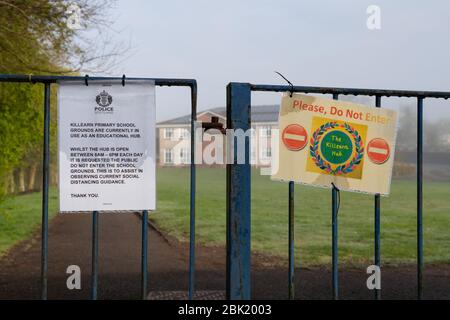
56,36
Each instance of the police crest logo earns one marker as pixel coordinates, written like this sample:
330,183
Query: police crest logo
104,99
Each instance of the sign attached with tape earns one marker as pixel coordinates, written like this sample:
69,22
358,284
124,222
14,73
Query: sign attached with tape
326,141
106,134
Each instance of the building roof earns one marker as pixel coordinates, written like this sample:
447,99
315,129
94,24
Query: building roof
264,113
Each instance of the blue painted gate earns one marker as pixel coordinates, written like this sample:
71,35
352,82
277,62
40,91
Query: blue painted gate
239,189
47,81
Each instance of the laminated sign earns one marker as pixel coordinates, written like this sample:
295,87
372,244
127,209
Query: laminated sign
324,141
106,134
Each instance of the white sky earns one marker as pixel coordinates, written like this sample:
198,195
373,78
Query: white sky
316,42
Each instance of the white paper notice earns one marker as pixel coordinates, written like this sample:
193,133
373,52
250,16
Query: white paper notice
106,135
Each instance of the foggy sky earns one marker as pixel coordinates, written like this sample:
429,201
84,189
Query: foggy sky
317,43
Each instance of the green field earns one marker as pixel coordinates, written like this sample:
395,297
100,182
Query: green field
312,218
21,215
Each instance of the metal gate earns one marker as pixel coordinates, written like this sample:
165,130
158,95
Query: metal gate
47,81
239,189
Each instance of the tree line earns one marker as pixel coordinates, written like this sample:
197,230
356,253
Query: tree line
38,37
436,137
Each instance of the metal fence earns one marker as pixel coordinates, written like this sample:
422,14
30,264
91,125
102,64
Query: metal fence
47,81
239,189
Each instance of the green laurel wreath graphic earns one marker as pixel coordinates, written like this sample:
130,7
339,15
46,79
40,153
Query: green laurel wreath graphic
323,164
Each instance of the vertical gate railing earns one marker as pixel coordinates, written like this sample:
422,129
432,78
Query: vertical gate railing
239,189
47,81
238,198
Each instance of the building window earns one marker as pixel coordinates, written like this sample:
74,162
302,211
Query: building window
253,147
253,156
266,132
266,152
184,134
168,156
168,133
184,156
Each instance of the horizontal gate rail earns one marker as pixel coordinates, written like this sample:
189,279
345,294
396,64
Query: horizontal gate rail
352,91
47,81
54,79
239,193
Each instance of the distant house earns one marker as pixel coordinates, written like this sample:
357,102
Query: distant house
173,145
446,140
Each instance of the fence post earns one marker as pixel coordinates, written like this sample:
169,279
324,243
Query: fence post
238,195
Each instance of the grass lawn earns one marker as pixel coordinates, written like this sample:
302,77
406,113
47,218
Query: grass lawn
312,218
21,215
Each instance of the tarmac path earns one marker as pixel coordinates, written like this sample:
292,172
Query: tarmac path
119,267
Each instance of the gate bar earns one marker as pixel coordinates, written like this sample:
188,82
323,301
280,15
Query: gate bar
291,242
334,235
192,198
238,197
419,197
54,79
144,254
94,272
351,91
45,184
377,221
334,249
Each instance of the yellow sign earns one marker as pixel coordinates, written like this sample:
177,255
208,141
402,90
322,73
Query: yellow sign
324,142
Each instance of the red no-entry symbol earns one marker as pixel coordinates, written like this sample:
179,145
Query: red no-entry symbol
294,137
378,151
